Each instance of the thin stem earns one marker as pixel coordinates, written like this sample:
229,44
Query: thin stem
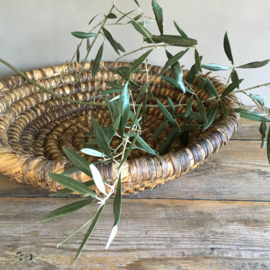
251,88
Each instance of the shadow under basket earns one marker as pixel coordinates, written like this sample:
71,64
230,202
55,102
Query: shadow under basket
34,126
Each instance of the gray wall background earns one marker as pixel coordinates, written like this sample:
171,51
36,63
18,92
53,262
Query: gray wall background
36,34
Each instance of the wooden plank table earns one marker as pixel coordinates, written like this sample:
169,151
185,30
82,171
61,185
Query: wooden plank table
215,217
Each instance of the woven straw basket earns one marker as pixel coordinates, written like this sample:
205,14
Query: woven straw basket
34,126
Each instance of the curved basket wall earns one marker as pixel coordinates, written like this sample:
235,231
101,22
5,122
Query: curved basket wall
34,127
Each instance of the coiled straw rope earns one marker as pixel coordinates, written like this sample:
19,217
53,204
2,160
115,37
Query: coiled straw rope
34,126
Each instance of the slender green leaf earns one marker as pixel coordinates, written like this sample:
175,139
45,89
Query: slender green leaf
190,127
89,232
67,209
189,106
83,35
88,45
113,128
111,16
181,32
92,152
143,90
78,54
111,91
136,64
173,82
98,179
201,85
202,110
224,109
114,85
92,132
134,117
150,93
215,67
97,61
158,15
120,47
172,109
192,74
173,40
166,144
235,79
117,204
141,29
129,150
253,116
70,171
263,131
255,64
173,60
65,191
144,110
124,107
211,88
258,98
227,47
112,235
93,19
126,14
198,61
145,146
101,139
230,88
72,184
111,39
137,3
211,115
78,161
165,112
160,129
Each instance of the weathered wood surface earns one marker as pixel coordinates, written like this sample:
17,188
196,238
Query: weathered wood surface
166,234
215,217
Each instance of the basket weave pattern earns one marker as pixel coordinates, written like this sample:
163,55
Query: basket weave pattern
34,126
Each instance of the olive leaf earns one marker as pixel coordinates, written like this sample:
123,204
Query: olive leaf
227,47
224,109
93,19
211,115
250,115
160,129
235,78
78,54
141,29
65,191
72,184
134,117
70,171
114,85
268,146
67,209
92,152
213,91
230,88
111,39
77,160
165,112
166,144
192,74
113,128
124,107
89,232
101,139
98,179
146,147
117,207
181,32
173,40
198,61
143,90
129,150
144,110
202,110
137,3
215,67
189,106
255,64
174,83
111,16
258,98
263,131
136,64
158,11
83,35
126,14
171,107
173,60
97,61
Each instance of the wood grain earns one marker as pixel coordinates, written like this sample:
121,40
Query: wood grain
167,234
